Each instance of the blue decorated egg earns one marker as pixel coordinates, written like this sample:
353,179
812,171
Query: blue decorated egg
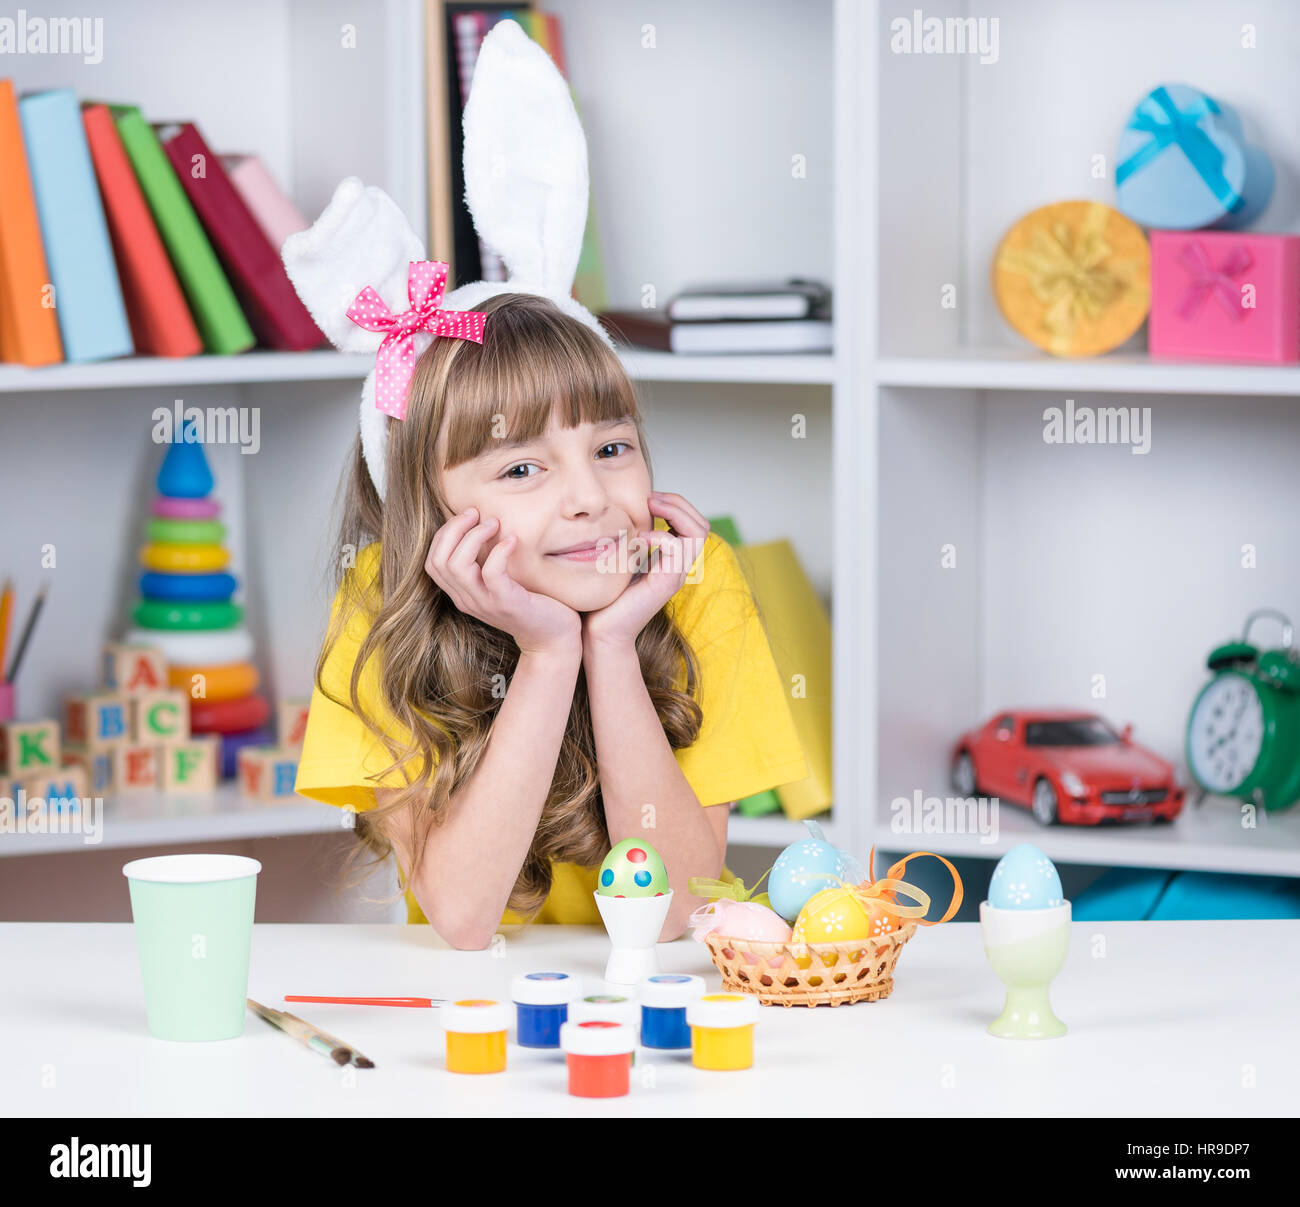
1025,879
801,871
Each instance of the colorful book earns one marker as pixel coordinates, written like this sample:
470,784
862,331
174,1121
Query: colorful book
29,330
275,213
272,305
87,297
212,301
160,319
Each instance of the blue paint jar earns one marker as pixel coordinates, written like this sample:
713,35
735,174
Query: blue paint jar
541,1005
664,998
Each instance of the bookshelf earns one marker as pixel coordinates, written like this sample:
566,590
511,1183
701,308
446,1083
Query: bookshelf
677,200
923,427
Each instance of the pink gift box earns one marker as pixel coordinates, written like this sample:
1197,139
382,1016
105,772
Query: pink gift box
1219,295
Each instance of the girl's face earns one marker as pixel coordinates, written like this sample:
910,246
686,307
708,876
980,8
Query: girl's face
587,485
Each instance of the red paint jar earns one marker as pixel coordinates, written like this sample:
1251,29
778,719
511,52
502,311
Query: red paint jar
597,1054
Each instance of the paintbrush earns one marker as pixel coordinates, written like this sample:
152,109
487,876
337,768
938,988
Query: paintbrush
311,1036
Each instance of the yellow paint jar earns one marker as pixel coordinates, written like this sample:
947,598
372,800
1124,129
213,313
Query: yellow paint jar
722,1030
476,1035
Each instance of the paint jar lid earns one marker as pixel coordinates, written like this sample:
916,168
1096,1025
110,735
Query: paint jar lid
669,990
723,1010
609,1007
597,1037
474,1016
544,988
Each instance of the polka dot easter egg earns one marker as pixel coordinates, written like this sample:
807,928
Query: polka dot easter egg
1025,879
800,871
632,869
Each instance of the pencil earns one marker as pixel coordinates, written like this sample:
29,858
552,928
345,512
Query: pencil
27,632
6,604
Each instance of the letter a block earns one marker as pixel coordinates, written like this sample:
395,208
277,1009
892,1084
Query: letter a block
190,766
133,668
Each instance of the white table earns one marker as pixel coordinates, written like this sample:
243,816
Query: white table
1166,1019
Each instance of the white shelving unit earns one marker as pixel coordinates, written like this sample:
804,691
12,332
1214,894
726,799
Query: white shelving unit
925,427
1071,561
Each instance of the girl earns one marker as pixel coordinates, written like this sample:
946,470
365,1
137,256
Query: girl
504,692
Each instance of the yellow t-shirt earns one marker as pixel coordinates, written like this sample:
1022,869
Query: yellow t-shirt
747,741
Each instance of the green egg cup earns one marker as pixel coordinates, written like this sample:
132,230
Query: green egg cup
1026,949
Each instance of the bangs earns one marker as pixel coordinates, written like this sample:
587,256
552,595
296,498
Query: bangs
537,367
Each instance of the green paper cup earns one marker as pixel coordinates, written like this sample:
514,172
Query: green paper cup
193,918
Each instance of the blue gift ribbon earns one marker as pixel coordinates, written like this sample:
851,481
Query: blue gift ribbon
1170,126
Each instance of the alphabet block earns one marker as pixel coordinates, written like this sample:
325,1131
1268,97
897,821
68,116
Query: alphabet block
98,767
291,720
160,716
63,789
136,766
190,766
96,721
133,668
267,773
29,748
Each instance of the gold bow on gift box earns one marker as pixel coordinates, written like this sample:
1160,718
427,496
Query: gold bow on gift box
1073,278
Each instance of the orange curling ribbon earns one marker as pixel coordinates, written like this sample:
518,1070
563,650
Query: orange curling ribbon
871,887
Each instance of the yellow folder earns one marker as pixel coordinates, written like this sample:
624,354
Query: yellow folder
799,632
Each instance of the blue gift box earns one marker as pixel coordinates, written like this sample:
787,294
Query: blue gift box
1184,164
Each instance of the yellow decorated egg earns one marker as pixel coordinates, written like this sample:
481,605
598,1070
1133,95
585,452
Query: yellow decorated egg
838,914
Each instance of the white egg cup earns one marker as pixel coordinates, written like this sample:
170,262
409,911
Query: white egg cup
634,925
1026,948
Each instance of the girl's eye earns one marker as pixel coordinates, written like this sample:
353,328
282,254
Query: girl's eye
514,477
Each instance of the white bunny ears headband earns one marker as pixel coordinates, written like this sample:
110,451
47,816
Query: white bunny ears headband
360,265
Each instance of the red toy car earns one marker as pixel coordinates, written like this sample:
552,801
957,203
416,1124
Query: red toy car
1070,767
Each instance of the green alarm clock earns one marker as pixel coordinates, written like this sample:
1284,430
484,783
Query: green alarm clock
1243,735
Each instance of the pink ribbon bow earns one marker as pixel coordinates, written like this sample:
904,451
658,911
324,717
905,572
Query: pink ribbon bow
395,362
1207,279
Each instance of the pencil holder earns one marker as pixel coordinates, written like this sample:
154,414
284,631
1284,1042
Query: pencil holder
8,703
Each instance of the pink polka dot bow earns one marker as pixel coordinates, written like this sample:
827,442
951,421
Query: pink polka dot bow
425,281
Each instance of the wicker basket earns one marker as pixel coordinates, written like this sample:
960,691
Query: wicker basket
810,974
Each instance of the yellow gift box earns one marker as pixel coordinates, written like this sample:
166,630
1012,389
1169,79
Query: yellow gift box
1074,278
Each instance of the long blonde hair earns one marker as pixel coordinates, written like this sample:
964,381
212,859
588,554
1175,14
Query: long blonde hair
438,666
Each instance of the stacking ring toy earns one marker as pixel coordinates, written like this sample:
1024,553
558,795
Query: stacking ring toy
227,682
186,532
196,588
185,509
184,559
163,614
226,716
197,649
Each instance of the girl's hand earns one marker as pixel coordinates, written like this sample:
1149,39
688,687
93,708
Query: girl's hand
671,556
538,623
